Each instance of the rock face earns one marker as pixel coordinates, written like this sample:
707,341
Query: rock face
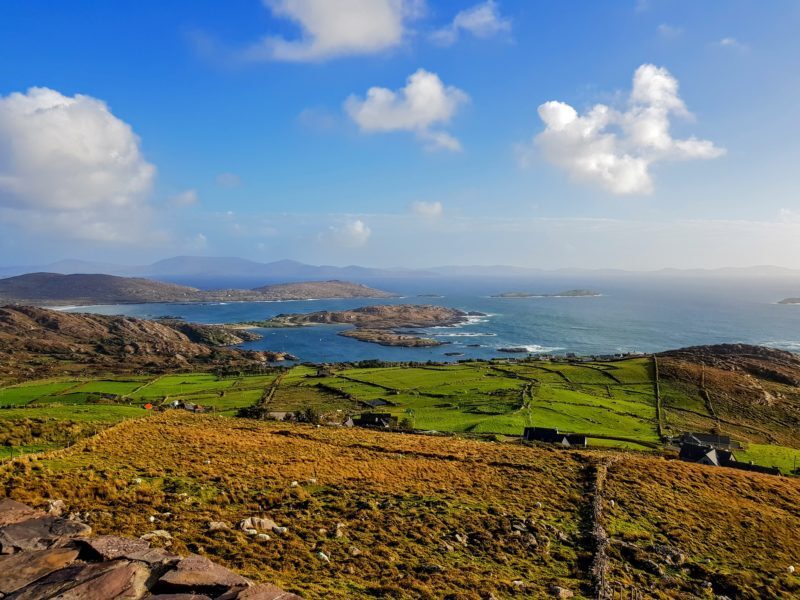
29,334
45,557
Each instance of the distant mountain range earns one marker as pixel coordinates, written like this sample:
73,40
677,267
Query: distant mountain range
203,271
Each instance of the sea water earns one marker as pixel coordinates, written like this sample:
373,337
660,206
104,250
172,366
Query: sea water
629,316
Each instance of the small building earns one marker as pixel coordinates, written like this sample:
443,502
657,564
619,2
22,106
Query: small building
706,455
377,403
378,420
553,436
707,439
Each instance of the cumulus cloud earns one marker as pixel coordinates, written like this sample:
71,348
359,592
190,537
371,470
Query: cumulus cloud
422,105
186,198
482,20
429,210
336,28
228,180
351,234
71,162
616,149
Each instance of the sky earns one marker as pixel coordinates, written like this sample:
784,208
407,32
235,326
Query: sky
633,134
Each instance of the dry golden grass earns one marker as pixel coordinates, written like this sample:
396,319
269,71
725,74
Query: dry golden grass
403,499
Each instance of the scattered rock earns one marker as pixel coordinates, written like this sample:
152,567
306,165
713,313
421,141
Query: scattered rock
294,484
280,530
199,574
266,591
20,570
263,537
790,569
355,551
560,592
324,557
56,508
251,531
339,532
257,523
218,525
518,584
39,534
158,534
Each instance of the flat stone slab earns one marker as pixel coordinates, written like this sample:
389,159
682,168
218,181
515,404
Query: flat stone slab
39,534
12,511
199,574
19,570
60,582
110,547
178,597
266,591
127,581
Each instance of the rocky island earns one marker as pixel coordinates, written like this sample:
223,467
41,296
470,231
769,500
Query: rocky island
565,294
378,324
790,301
52,289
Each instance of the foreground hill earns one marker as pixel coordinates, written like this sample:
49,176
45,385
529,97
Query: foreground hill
37,342
48,289
387,515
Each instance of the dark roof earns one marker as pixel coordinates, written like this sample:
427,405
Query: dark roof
706,454
552,436
709,439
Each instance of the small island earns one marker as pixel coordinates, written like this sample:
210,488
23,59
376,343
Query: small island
565,294
790,301
382,324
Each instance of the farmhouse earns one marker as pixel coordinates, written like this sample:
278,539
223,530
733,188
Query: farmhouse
717,457
379,420
707,439
552,436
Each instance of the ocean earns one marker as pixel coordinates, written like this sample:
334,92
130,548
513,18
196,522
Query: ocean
631,315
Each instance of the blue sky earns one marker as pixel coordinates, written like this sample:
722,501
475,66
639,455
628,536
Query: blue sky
224,128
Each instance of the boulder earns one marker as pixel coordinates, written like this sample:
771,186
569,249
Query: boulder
12,511
126,581
39,534
560,592
19,570
61,582
266,591
257,523
218,526
198,574
179,597
109,547
56,508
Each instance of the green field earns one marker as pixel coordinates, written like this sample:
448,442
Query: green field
613,403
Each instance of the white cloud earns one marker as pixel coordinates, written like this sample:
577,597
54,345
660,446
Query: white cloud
197,242
69,162
733,44
482,20
351,234
423,104
332,28
429,210
617,148
228,180
186,198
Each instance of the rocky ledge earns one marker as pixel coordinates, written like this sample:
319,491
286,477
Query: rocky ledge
44,556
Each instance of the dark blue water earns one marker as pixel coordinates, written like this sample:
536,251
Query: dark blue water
630,316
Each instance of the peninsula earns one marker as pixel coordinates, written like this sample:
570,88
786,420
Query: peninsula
565,294
378,324
52,289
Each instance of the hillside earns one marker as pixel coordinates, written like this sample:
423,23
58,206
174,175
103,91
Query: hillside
319,290
52,289
412,516
39,342
750,392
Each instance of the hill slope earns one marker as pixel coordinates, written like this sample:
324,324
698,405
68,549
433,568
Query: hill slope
53,289
38,342
413,516
50,288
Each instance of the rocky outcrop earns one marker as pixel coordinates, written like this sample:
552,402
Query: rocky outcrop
379,324
33,341
44,557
